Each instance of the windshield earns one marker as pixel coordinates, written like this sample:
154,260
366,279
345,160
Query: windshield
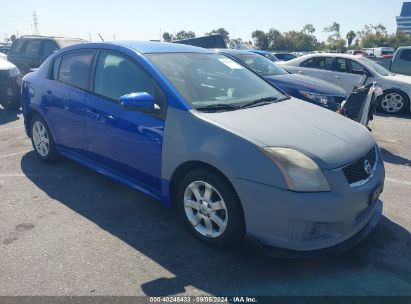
206,80
375,67
261,65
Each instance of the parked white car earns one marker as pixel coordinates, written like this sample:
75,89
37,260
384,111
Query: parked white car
351,71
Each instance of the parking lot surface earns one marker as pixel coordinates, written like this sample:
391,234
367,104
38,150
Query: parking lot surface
67,230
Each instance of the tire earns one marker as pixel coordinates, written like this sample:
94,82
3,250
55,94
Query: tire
393,102
216,219
42,139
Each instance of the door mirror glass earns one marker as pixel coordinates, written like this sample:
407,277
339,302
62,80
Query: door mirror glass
140,102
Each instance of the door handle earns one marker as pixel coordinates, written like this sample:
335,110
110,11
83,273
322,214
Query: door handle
338,77
300,72
92,114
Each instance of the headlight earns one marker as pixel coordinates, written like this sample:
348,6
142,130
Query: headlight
316,97
13,72
301,173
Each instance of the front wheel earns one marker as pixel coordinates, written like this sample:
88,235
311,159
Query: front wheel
42,140
393,102
211,209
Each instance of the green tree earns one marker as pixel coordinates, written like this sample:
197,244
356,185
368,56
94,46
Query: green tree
334,39
167,37
274,39
185,35
221,31
373,36
260,39
234,43
308,29
350,37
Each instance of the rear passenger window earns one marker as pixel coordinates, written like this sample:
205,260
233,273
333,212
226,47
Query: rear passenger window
75,69
341,65
406,55
117,76
33,48
322,63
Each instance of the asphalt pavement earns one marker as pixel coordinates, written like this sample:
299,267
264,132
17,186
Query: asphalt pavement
67,230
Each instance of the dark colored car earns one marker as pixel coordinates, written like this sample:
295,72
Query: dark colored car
5,48
285,56
29,52
270,56
307,88
9,85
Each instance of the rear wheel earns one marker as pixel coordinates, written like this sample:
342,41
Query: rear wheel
42,140
211,209
394,102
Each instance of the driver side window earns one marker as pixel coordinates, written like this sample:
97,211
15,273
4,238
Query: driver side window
117,76
357,68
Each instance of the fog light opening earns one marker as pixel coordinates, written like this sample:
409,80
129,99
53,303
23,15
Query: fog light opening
317,230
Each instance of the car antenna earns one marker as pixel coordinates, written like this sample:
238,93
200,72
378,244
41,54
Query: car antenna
100,37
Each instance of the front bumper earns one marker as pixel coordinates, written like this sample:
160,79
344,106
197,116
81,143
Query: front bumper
310,221
10,88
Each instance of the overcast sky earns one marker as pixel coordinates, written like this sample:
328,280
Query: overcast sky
145,20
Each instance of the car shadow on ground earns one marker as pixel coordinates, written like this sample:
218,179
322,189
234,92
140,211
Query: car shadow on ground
8,116
379,265
395,159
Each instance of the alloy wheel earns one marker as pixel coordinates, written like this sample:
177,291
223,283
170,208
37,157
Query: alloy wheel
40,139
392,103
205,209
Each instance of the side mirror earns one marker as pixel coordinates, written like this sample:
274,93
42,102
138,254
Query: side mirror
140,102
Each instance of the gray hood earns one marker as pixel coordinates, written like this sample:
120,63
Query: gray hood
328,138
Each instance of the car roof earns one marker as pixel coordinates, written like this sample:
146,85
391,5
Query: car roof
160,47
340,55
233,51
48,37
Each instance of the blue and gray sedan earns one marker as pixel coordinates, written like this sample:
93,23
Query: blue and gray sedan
199,131
316,91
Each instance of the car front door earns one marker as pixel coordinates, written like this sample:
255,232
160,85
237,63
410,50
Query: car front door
342,76
125,142
64,95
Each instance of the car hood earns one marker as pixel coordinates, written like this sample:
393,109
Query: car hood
307,83
330,139
5,65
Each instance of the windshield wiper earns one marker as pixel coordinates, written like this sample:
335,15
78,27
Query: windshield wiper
263,101
218,107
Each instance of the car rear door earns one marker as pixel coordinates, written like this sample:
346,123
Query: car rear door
128,143
64,94
317,67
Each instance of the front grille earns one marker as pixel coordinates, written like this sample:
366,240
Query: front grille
355,172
